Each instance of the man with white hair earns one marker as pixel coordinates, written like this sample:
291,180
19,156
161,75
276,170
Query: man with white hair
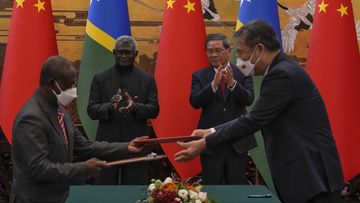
123,98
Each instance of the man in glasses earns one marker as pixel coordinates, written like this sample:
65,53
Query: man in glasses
299,145
222,92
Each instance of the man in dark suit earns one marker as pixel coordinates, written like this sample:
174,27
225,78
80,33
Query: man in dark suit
222,92
300,148
45,140
123,98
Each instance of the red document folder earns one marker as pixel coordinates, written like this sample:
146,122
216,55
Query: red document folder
167,140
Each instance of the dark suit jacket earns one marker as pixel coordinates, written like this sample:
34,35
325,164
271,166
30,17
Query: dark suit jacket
216,109
299,144
113,125
42,167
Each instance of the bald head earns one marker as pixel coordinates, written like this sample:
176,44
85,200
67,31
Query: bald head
55,68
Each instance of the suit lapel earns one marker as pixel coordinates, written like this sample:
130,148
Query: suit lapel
279,57
52,117
210,73
226,94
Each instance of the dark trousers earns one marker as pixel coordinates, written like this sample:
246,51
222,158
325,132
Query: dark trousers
132,174
224,167
326,197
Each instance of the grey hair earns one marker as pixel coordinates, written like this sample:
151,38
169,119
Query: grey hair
126,40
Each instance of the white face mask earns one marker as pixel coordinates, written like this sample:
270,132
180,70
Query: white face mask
246,67
67,96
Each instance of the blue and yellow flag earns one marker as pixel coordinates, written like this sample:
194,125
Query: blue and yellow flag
107,20
261,10
267,11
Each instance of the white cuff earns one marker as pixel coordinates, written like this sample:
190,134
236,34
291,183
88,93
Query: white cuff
233,87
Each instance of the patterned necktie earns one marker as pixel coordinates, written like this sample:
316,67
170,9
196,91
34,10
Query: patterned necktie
60,117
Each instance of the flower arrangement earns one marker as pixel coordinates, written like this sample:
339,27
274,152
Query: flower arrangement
175,191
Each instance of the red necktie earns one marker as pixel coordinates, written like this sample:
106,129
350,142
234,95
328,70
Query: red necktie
60,117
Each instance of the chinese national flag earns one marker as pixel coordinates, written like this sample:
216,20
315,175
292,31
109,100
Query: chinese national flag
181,52
334,65
31,41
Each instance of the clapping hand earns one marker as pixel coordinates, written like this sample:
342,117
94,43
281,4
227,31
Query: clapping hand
115,100
217,77
130,103
228,75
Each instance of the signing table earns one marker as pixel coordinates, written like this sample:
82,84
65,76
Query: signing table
130,194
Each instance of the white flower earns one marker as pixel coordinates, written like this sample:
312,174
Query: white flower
193,195
198,201
158,183
183,194
178,199
151,187
168,180
203,196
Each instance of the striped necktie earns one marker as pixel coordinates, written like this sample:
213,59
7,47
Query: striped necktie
60,117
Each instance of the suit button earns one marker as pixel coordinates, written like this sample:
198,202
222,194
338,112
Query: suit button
224,109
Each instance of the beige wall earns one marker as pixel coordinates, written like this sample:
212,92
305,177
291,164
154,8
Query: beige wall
145,17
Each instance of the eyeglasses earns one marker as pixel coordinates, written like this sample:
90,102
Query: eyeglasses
216,51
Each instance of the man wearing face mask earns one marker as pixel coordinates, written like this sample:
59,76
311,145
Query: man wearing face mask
300,148
222,92
45,141
123,98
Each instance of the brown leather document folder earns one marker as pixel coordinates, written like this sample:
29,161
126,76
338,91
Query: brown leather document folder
136,159
167,140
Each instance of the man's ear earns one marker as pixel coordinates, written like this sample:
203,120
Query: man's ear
262,46
51,83
136,53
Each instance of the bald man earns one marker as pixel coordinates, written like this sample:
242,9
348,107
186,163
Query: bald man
45,140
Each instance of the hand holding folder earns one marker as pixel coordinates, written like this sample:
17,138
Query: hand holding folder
166,140
150,157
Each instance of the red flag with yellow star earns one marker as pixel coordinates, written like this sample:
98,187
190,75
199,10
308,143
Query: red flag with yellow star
334,65
181,52
31,41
